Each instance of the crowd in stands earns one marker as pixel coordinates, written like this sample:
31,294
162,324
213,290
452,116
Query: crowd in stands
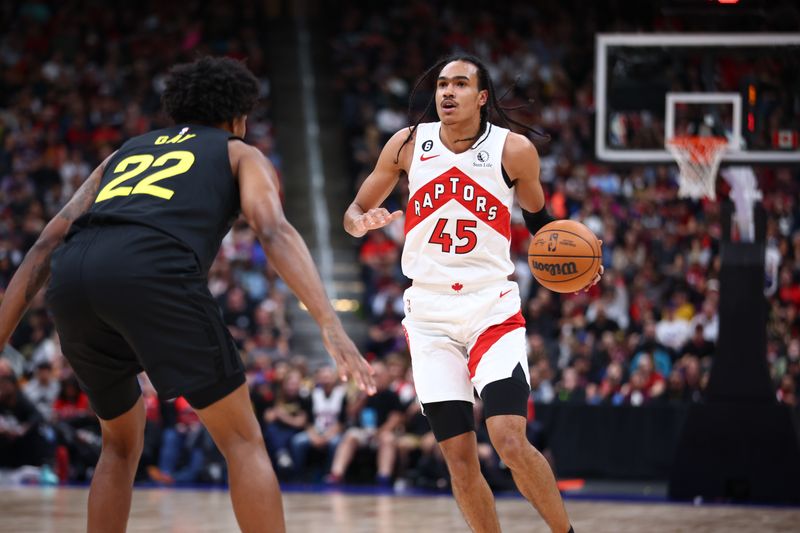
75,82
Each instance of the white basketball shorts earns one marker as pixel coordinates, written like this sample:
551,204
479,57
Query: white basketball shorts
463,340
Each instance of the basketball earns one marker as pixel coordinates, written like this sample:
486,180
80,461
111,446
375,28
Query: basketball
564,256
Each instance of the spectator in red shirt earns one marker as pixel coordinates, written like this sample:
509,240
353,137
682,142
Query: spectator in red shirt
72,404
789,289
76,428
654,384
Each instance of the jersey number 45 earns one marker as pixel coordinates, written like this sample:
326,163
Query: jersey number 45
465,230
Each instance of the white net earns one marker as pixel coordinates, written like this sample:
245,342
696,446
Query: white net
698,160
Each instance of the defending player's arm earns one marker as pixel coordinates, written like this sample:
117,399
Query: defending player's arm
521,161
34,271
365,213
288,253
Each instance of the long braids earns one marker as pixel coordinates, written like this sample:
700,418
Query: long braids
484,83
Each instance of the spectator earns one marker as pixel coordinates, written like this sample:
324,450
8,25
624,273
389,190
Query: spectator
377,417
787,392
237,315
613,302
653,384
698,344
286,417
20,441
611,387
77,429
708,319
569,389
649,343
72,404
43,389
540,320
399,368
635,391
672,331
386,334
182,456
541,387
601,323
380,256
676,391
693,377
328,417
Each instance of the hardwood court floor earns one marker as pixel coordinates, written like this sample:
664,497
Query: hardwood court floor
190,511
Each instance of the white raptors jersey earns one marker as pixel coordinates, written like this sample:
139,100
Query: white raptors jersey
459,212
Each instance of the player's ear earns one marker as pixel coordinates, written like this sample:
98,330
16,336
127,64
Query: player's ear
240,126
483,97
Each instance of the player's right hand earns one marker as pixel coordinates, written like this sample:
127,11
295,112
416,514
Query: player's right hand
349,361
375,218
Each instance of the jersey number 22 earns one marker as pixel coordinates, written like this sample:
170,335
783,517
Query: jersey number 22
144,162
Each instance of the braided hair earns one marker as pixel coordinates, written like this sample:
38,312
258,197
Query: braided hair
484,83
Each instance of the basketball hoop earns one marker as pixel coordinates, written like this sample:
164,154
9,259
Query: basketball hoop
698,160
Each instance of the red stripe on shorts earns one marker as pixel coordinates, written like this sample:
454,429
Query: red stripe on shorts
487,339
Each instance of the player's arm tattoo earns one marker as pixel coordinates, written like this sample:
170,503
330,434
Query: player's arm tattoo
34,271
82,201
40,273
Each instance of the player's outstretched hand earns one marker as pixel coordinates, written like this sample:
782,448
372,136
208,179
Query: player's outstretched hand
375,218
349,362
597,276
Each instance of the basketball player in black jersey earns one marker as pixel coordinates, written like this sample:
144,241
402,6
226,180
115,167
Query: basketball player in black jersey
128,287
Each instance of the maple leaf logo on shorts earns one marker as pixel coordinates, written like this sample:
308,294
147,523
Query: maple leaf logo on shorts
457,286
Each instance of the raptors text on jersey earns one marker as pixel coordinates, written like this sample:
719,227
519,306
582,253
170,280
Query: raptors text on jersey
459,211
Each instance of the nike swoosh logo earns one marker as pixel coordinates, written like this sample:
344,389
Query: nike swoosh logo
423,158
504,293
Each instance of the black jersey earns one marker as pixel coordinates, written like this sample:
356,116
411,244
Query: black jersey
175,180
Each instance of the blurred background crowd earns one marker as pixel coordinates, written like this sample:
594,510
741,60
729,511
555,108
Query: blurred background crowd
75,83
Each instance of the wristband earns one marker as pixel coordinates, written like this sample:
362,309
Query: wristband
536,221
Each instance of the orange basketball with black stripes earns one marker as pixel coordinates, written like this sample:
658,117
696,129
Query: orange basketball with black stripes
564,256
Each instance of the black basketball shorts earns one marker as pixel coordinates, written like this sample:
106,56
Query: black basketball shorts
126,298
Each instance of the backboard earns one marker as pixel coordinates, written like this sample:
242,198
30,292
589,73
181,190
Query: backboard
745,87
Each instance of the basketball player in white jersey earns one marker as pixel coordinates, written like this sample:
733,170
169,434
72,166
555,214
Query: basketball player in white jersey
463,320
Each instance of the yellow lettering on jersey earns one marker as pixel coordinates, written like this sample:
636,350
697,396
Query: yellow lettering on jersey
143,162
178,139
162,139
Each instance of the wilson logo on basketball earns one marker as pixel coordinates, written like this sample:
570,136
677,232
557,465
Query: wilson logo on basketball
555,269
